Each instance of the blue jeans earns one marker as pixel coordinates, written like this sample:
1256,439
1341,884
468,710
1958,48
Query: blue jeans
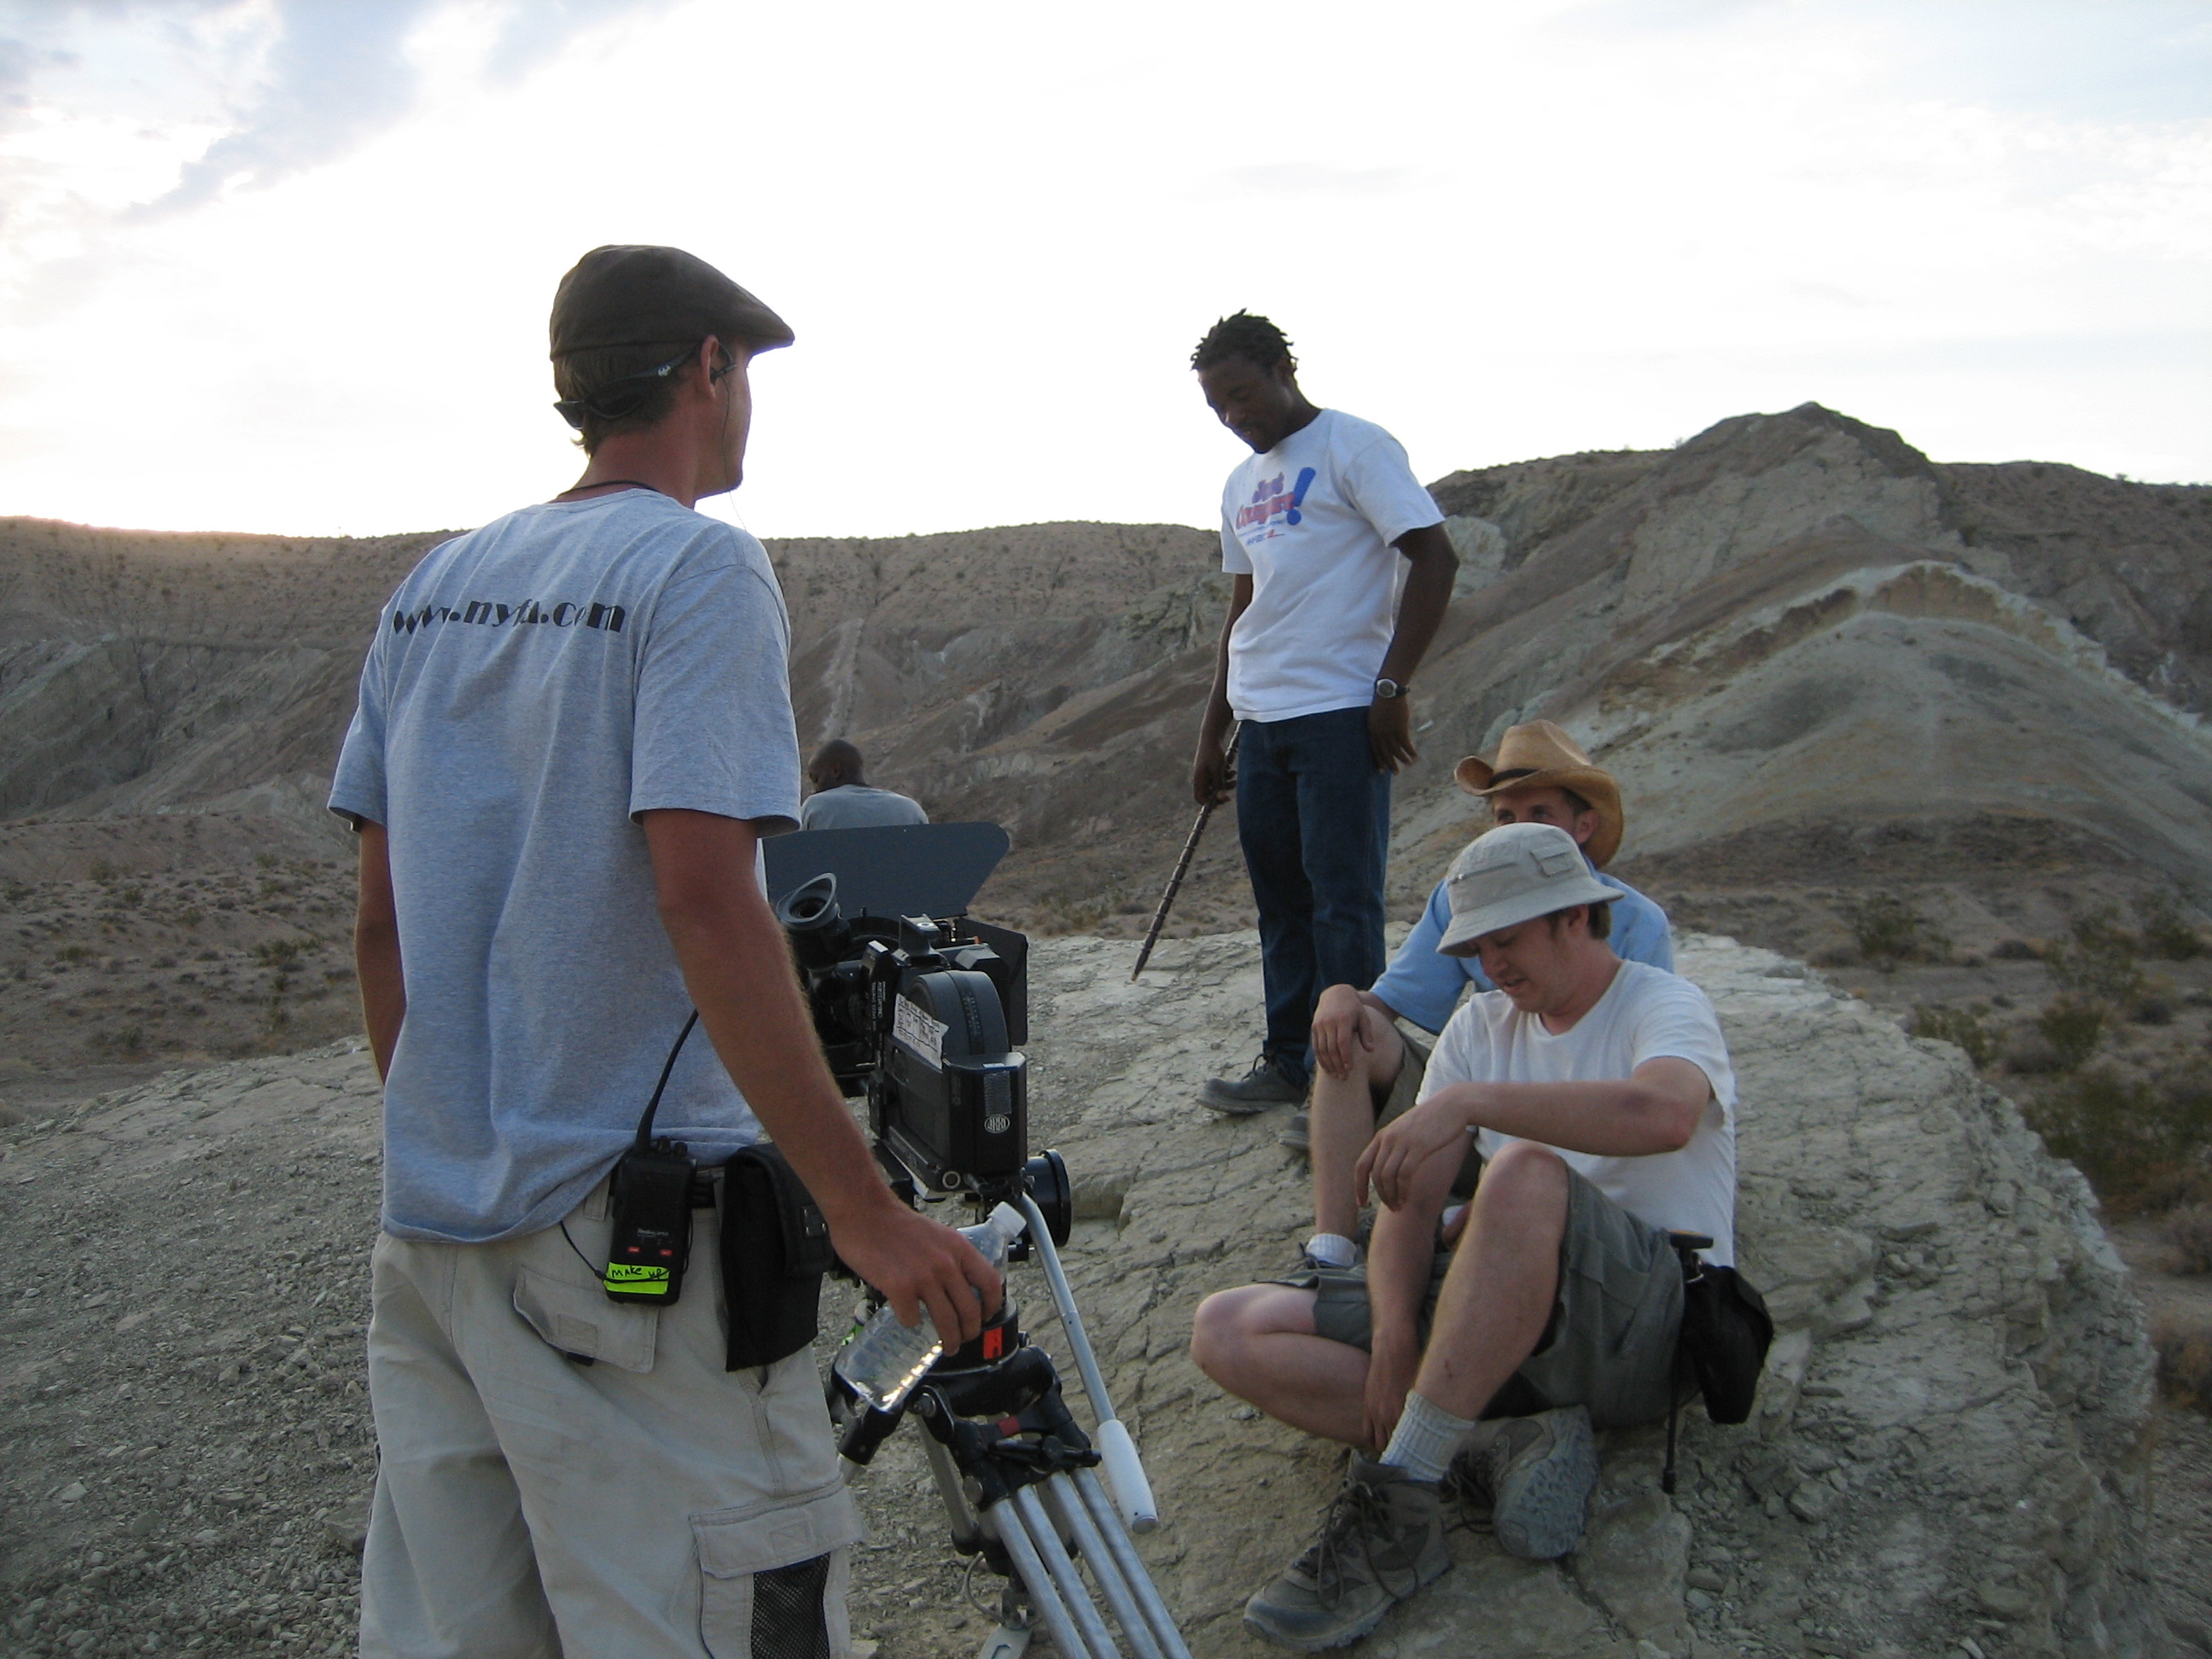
1312,814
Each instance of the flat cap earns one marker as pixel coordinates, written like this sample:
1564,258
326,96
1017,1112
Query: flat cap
634,295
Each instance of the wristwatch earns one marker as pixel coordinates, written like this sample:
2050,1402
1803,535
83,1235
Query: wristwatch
1388,689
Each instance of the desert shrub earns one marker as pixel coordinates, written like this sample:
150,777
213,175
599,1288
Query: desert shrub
131,897
2014,949
102,871
2176,1188
2072,1028
2152,1009
2184,1360
2164,933
1957,1025
278,952
2096,961
265,860
18,892
2128,1137
2189,1230
1888,930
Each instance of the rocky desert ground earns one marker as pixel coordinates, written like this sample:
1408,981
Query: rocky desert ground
1916,747
1956,1442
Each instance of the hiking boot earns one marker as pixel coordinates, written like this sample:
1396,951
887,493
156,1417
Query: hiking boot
1381,1540
1268,1084
1298,1133
1533,1475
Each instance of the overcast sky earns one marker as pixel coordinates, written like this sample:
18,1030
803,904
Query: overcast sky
284,265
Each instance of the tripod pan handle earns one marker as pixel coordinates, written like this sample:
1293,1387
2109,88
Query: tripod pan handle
1125,1473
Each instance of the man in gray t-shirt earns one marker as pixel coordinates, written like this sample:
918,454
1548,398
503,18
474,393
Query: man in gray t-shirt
574,727
843,800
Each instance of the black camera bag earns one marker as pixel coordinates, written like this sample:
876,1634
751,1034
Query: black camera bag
1726,1331
775,1248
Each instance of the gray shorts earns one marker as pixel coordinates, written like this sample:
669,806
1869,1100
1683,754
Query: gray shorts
1610,1345
1404,1093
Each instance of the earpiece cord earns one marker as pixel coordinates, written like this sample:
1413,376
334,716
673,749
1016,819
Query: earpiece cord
645,1123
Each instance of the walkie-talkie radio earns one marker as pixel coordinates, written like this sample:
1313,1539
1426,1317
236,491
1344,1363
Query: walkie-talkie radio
651,1194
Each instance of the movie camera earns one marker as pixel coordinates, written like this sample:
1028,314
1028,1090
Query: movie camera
921,1009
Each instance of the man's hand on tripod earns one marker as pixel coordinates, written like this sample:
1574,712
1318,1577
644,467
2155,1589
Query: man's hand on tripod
920,1265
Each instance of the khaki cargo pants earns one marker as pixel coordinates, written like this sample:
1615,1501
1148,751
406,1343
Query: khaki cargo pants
647,1503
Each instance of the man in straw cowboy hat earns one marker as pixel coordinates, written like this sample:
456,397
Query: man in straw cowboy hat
1367,1073
1599,1093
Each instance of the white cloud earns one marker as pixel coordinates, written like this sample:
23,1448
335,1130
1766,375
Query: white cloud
1502,230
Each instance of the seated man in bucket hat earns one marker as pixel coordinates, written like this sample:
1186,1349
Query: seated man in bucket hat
1366,1072
1600,1095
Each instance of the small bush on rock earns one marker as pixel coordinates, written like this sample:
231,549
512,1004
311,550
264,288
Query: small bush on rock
2185,1361
2128,1137
2164,933
2177,1189
2072,1028
1957,1025
1888,930
2014,949
2189,1230
2096,961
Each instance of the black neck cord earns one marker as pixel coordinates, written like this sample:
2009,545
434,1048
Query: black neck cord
645,1123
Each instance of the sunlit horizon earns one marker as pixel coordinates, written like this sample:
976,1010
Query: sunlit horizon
273,268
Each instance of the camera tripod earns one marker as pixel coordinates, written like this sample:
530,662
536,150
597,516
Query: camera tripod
1019,1482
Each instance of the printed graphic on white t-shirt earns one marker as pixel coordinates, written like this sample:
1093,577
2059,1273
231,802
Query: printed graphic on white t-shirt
1646,1013
1312,522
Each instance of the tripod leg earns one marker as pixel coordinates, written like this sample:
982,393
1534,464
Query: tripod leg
949,1491
1057,1562
1109,1522
1014,1532
1066,1505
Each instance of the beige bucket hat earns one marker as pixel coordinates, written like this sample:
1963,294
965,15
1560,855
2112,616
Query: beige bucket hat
1516,874
1542,755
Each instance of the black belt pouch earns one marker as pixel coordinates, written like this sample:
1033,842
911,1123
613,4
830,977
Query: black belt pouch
775,1248
1726,1331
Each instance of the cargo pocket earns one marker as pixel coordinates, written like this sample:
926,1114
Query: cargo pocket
580,1321
773,1576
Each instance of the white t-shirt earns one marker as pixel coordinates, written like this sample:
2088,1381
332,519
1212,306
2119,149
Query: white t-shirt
1312,522
1646,1013
534,686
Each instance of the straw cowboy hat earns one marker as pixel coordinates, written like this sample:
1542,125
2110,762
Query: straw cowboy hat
1540,755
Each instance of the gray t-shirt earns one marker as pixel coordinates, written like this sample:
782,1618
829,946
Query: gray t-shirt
857,807
533,686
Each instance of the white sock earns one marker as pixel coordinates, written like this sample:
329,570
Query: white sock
1331,1250
1425,1439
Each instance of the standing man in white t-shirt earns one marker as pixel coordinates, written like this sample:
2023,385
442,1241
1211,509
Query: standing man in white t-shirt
1600,1094
574,728
1316,658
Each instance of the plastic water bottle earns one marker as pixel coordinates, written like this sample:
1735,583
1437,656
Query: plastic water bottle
886,1359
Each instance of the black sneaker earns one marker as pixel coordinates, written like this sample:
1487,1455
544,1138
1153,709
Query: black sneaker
1298,1133
1383,1539
1268,1084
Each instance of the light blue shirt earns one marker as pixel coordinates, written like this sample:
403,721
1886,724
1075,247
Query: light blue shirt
857,807
534,686
1425,986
